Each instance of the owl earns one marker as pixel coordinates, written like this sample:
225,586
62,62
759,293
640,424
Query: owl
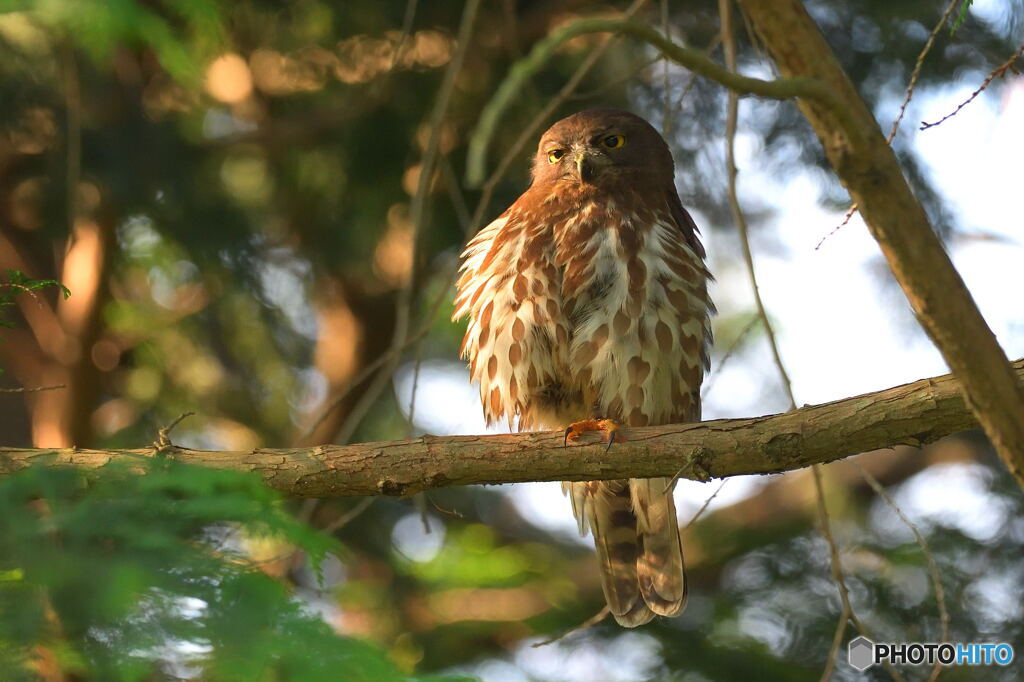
588,310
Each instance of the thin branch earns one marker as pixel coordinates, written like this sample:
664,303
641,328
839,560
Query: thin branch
715,41
846,612
732,111
933,568
996,73
73,104
907,95
846,219
35,389
365,373
417,365
837,641
666,116
695,60
707,503
733,347
913,414
163,434
837,576
588,623
917,68
348,516
407,19
618,82
458,199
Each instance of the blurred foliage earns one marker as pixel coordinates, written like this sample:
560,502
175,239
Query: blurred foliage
16,283
225,187
144,570
961,16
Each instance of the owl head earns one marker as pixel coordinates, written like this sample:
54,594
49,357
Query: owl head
601,148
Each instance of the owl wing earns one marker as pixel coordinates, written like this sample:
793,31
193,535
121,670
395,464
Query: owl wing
517,334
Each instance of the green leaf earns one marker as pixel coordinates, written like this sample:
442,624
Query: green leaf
960,17
139,560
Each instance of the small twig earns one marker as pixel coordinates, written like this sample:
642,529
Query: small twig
712,46
163,435
933,568
588,623
417,365
917,68
907,95
330,528
36,389
25,290
612,84
666,123
458,199
847,612
386,364
846,218
733,347
73,103
732,116
454,513
407,19
363,375
837,641
996,73
348,516
707,502
419,501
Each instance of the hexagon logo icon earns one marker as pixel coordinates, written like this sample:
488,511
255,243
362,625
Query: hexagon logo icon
861,652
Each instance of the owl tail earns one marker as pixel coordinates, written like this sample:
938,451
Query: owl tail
659,565
638,549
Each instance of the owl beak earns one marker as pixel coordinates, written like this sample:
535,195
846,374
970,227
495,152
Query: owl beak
586,168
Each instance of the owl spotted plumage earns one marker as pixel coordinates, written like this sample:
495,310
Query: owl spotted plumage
587,298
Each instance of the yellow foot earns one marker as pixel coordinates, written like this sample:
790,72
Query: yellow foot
610,428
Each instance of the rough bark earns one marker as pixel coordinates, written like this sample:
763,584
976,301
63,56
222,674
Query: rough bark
912,414
868,168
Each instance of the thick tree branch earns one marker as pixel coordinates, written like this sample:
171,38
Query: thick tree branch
868,168
913,414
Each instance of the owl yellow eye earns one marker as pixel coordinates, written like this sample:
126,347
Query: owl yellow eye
614,141
555,155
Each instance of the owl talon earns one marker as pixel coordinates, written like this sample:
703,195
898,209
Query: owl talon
609,427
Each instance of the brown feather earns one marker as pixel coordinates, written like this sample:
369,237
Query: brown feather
588,297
